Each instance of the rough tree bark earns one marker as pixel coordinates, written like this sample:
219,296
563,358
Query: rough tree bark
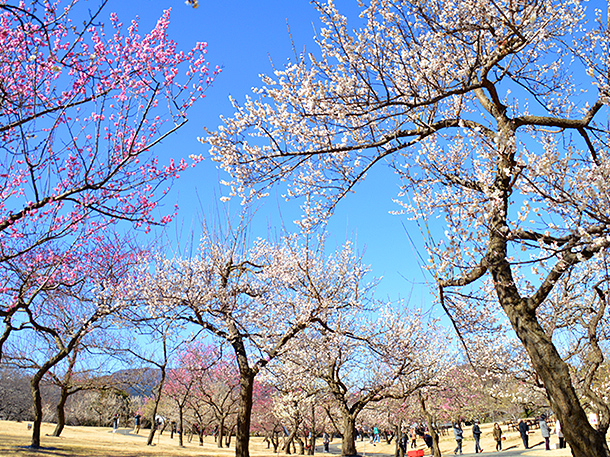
348,445
37,396
583,438
244,412
221,430
436,450
61,413
181,423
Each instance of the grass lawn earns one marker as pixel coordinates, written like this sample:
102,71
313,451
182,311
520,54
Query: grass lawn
101,442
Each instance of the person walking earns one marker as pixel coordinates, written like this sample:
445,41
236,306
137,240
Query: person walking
497,434
376,436
326,441
429,442
476,433
413,438
136,419
459,436
562,440
545,432
524,431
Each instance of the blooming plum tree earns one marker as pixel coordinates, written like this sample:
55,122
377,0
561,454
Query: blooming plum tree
494,116
264,421
178,387
81,107
295,405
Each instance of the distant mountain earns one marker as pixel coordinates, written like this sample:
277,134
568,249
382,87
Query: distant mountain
137,381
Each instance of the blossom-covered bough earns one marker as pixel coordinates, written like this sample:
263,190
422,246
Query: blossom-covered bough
81,107
494,115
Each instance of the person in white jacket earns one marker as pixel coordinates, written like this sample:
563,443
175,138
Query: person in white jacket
562,440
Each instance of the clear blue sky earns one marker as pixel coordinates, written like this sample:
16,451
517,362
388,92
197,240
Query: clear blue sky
243,37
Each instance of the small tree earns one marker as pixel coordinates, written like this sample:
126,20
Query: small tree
364,362
256,299
88,290
202,378
264,421
217,388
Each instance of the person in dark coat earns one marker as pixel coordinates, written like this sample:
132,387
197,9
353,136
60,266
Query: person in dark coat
136,419
524,431
428,440
459,436
476,433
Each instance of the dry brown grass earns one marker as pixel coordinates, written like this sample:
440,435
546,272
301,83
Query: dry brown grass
101,442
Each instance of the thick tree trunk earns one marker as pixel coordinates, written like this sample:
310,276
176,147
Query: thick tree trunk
242,437
37,400
348,445
436,450
61,412
181,424
221,431
36,395
583,438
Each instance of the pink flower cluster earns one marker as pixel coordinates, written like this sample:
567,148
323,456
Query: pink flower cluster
81,108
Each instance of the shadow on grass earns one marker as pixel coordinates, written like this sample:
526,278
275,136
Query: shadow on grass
29,451
43,450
